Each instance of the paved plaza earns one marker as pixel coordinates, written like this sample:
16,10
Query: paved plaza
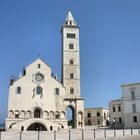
74,134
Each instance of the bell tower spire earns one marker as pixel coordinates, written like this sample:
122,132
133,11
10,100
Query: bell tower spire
70,20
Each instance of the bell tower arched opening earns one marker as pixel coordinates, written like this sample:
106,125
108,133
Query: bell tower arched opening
70,113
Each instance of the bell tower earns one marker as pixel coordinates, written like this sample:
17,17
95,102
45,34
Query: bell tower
70,57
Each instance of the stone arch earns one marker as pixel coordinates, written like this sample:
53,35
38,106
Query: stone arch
51,115
17,114
62,115
22,114
10,127
45,114
57,115
11,114
38,113
62,126
28,114
37,126
72,121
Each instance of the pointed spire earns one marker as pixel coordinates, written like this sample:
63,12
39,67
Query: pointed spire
69,17
69,20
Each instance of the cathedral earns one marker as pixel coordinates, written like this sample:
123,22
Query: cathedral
38,101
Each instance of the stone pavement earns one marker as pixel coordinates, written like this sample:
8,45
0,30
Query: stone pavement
89,133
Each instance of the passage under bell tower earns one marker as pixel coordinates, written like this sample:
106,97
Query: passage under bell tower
70,57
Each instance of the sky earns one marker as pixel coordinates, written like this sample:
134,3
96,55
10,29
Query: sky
109,43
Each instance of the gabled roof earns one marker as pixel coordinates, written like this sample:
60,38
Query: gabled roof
41,61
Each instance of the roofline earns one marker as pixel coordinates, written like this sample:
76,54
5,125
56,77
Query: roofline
116,100
130,84
97,108
37,59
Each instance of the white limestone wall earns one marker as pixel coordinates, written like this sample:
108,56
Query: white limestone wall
71,54
127,105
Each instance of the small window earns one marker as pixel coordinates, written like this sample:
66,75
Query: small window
134,108
114,120
113,109
135,119
18,90
39,90
98,122
57,91
71,90
119,108
39,66
120,120
22,128
16,115
71,46
89,122
70,35
57,116
24,72
98,114
89,115
71,62
71,75
51,128
104,116
133,95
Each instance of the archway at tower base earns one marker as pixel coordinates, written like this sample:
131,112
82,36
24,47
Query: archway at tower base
70,113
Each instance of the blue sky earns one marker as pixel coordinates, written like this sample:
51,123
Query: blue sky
109,43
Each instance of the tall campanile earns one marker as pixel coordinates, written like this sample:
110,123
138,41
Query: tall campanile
70,57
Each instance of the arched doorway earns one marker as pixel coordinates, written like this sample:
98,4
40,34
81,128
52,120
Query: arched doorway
37,113
36,127
70,113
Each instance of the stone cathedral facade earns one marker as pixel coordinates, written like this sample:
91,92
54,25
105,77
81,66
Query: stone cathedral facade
38,101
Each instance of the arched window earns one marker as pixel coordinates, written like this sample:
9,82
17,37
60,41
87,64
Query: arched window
18,90
11,114
39,90
45,114
51,128
71,90
16,114
28,114
22,114
51,115
39,66
57,115
62,115
37,113
71,75
22,128
57,91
